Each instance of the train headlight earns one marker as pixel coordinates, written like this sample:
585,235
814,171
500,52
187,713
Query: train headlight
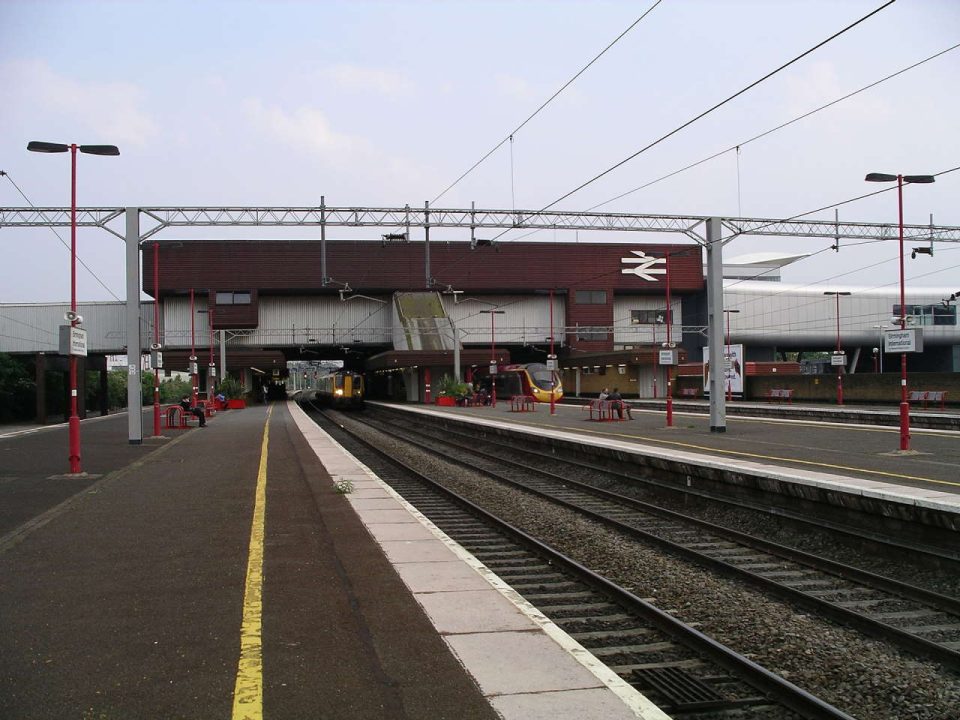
338,392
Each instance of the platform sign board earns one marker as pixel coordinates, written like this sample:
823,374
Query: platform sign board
903,341
73,341
668,357
733,368
838,359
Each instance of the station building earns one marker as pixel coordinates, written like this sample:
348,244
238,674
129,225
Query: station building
407,313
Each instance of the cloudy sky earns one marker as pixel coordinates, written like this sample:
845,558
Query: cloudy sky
388,103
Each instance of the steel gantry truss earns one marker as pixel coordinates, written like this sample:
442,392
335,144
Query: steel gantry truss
692,226
711,232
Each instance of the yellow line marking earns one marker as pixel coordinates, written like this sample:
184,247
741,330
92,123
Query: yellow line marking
248,692
707,449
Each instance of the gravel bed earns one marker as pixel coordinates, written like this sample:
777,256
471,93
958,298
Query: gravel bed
861,676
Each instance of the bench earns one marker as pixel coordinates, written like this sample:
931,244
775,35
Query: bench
175,417
689,393
780,394
607,410
522,403
928,396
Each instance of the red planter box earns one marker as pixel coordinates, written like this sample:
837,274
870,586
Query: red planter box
236,404
446,400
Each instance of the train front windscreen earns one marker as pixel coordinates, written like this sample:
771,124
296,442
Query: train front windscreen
542,378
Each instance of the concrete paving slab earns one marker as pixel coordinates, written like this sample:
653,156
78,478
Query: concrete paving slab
589,704
385,516
416,551
432,577
545,668
489,612
399,531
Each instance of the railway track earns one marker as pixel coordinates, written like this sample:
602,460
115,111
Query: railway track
917,620
680,669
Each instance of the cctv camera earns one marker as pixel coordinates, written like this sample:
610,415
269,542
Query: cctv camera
155,346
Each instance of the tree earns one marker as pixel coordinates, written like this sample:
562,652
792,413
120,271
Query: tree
17,390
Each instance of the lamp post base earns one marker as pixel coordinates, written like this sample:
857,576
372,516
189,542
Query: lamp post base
904,426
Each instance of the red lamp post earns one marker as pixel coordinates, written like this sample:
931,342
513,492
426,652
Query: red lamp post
838,293
555,374
194,379
46,147
904,404
670,347
156,338
493,356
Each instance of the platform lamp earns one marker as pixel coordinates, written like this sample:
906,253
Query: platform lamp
904,404
73,317
493,356
211,365
838,293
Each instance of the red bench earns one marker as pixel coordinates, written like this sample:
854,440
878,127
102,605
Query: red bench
780,394
607,410
522,403
928,396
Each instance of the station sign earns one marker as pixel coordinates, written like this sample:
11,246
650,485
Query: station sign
73,341
156,359
493,368
838,358
551,362
903,341
669,357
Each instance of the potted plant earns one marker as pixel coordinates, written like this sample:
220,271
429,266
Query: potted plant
233,390
450,391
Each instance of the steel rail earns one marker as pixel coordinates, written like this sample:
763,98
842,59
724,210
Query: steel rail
774,686
909,641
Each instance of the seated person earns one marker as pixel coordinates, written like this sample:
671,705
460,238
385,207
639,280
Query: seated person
618,404
196,411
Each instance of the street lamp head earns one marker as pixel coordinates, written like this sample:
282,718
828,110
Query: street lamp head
836,292
100,149
887,177
46,147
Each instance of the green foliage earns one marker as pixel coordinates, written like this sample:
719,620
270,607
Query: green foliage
231,387
172,389
451,387
17,390
117,388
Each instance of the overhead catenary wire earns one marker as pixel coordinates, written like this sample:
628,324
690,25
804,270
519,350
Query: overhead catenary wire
549,100
713,108
62,241
772,130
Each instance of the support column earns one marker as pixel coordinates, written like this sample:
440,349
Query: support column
104,390
134,345
426,244
82,388
718,400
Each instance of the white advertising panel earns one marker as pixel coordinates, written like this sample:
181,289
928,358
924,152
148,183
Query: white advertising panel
733,368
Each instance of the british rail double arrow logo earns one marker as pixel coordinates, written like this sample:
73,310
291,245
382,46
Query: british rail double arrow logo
643,266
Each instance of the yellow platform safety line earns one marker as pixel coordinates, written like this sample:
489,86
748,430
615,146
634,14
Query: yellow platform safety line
248,691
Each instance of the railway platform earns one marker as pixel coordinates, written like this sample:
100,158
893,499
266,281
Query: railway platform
252,569
834,463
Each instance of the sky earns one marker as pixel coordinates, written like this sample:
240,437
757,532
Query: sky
383,104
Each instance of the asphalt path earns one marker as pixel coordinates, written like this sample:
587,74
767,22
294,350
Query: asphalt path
122,596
